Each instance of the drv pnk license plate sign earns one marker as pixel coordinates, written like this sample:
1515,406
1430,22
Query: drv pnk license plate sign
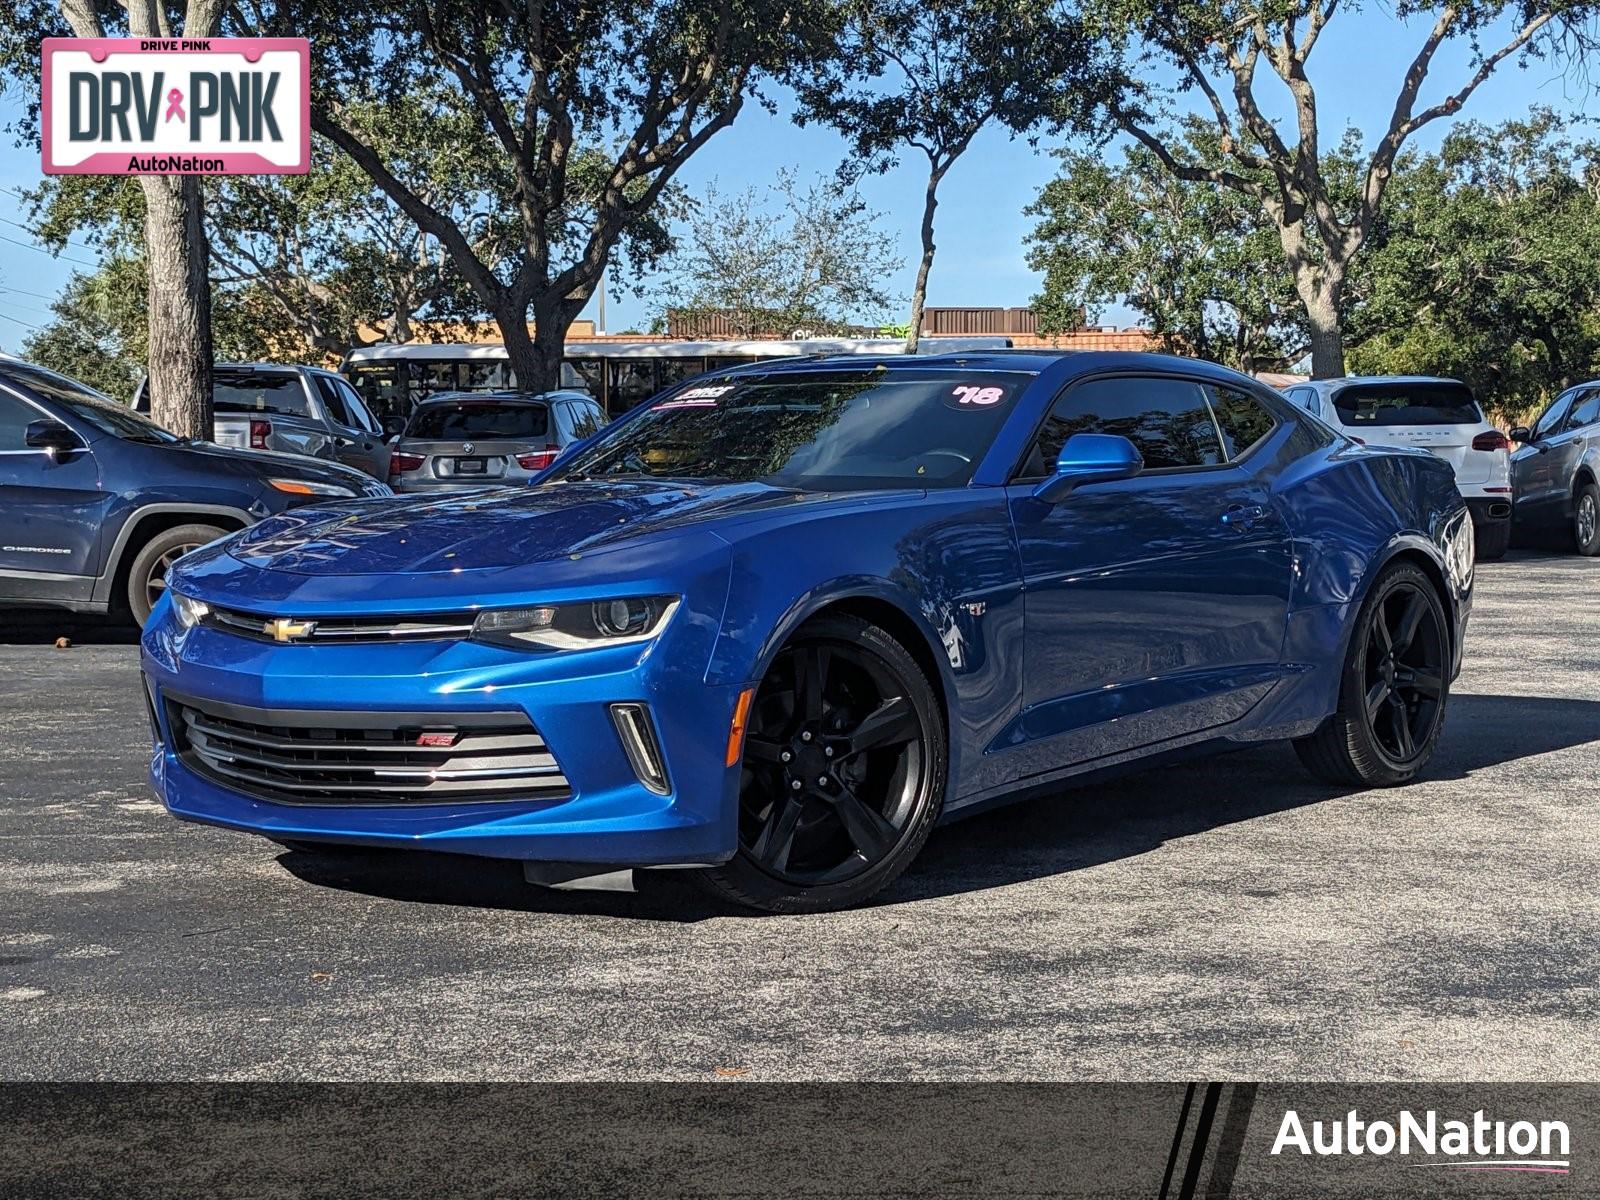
171,106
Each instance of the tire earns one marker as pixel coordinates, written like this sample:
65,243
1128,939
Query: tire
1586,519
1362,744
851,806
147,573
1493,540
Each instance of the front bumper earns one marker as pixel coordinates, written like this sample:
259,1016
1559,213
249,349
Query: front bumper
605,815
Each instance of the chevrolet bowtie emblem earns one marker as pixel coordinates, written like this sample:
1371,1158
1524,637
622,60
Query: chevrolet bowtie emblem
287,629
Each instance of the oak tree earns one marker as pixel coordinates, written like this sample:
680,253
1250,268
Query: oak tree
1228,52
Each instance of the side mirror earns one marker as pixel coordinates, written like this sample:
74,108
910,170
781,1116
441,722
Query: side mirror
1521,433
1090,458
54,438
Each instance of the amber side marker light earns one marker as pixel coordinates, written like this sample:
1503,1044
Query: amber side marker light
741,718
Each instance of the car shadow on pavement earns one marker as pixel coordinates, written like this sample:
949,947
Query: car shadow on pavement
1070,828
43,626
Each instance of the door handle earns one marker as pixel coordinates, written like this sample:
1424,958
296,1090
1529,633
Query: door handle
1243,516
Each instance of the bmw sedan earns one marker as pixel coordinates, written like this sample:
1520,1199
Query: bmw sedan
777,623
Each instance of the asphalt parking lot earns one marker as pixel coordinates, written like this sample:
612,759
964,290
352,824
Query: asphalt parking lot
1224,919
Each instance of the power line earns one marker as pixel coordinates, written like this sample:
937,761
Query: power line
25,292
5,316
42,250
28,229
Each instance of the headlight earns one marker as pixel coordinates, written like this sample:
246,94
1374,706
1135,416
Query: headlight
576,626
306,487
189,610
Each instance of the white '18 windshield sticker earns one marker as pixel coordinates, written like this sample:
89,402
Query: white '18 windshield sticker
973,394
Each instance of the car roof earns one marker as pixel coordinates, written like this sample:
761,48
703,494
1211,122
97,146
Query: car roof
1031,360
1345,381
510,397
266,368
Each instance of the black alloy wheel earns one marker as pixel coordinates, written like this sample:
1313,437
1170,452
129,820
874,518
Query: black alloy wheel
843,772
1394,688
1404,671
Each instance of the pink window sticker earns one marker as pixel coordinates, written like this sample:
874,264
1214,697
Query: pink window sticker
979,395
705,396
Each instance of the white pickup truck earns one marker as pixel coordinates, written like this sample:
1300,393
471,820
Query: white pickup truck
294,409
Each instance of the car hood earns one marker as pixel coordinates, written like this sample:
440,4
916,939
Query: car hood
490,530
260,464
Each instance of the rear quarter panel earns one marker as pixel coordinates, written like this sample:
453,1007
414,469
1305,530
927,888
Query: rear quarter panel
1351,511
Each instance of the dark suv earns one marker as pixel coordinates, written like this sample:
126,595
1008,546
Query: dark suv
1556,469
96,501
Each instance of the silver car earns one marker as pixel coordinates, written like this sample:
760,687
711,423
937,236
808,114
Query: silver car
464,440
293,409
1557,469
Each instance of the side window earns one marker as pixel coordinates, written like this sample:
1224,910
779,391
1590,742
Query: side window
1243,419
352,399
1550,419
586,420
1167,419
633,380
1305,398
591,374
332,400
1586,410
15,417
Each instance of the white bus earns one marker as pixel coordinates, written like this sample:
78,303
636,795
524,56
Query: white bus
619,374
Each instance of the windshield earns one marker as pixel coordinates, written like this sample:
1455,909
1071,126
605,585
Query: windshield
823,431
1441,403
481,419
260,392
88,405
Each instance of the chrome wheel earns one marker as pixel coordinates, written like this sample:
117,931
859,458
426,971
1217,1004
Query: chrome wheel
834,765
1587,519
1404,673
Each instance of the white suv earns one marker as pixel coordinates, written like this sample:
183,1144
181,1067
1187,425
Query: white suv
1438,415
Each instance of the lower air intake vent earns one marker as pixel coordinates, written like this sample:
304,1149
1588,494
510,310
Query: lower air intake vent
328,758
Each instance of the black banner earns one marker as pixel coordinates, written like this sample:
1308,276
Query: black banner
1156,1141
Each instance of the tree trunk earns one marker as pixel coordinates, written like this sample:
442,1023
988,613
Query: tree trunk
550,341
179,304
919,294
526,362
1321,294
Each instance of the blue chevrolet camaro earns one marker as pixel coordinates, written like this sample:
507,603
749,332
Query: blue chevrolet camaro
776,623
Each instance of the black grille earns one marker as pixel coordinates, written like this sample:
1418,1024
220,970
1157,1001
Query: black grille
421,627
294,757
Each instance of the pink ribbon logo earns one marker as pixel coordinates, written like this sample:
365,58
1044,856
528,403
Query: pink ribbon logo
175,105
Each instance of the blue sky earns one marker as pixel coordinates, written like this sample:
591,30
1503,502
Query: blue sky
981,227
